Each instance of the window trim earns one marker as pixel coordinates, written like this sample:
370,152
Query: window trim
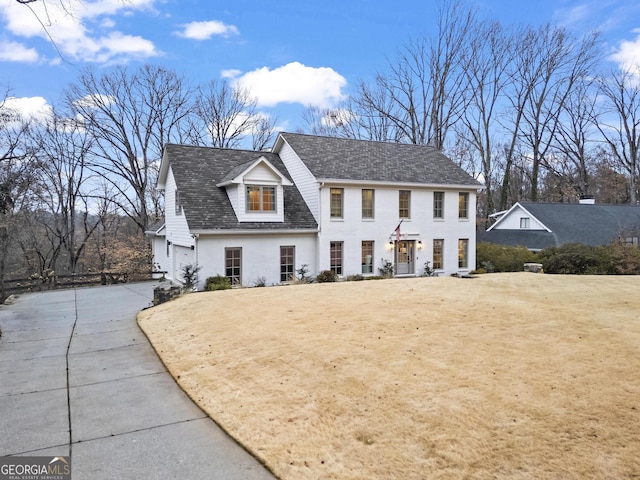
364,266
440,265
525,223
333,248
261,192
284,270
373,204
177,202
463,253
463,208
408,206
232,277
336,191
438,208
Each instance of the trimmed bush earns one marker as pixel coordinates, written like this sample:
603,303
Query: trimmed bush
500,258
326,276
578,259
217,282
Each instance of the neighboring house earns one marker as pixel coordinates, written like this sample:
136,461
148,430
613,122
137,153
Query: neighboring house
541,225
327,203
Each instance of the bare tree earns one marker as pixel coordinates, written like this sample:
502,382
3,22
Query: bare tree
486,71
422,95
131,116
572,156
16,160
64,154
619,122
559,62
225,116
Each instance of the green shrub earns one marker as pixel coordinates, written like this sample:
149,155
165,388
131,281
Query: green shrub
326,276
217,282
578,259
500,258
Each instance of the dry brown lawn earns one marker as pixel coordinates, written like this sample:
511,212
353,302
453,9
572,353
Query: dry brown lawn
501,376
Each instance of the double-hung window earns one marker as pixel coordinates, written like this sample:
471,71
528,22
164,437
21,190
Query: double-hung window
463,205
438,205
287,262
336,202
367,256
438,254
404,198
463,253
261,198
368,196
233,265
335,264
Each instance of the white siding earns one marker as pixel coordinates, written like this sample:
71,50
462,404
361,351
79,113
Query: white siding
260,255
302,178
352,229
511,220
177,233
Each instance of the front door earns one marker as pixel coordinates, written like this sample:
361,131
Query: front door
405,257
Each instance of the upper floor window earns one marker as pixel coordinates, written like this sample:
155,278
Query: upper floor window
525,222
405,204
463,205
438,204
178,205
261,198
337,195
368,196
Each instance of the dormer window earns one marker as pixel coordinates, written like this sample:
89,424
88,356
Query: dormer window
261,198
256,190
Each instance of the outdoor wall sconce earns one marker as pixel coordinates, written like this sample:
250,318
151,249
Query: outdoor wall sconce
390,246
420,245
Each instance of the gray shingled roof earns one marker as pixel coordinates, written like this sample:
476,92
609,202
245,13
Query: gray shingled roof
198,170
363,160
597,224
532,239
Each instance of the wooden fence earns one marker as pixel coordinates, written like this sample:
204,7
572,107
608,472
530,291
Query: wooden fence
53,282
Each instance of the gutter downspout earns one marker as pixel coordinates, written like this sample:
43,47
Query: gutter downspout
320,187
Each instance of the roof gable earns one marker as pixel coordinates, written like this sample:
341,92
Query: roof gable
589,224
258,170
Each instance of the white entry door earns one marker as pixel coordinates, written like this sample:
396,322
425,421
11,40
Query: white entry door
405,257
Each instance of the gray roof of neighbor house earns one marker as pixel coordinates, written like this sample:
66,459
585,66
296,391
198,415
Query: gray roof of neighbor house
198,170
330,158
597,224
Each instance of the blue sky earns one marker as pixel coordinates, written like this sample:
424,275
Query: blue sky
289,53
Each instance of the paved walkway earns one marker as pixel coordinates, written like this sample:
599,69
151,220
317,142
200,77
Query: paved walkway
78,378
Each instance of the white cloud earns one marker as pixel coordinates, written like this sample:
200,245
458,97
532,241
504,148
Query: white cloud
628,54
206,30
28,108
17,52
81,30
294,83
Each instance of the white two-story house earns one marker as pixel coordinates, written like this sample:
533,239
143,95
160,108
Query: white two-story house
351,206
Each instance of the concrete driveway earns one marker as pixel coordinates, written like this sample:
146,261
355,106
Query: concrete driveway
78,378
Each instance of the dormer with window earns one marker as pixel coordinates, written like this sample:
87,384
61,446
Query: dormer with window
255,190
